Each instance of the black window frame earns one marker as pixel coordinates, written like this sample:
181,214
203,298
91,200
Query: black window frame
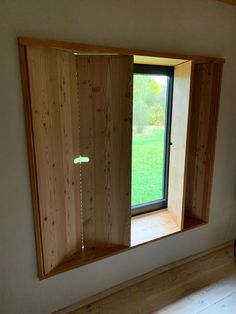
169,72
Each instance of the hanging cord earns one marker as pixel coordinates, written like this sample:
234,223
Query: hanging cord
80,164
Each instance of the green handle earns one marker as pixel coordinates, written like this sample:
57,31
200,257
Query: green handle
81,159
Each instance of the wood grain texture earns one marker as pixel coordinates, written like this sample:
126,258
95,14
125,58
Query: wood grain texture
195,284
31,157
204,105
157,61
77,48
86,256
189,286
232,2
92,254
53,92
151,226
225,303
105,98
81,105
180,109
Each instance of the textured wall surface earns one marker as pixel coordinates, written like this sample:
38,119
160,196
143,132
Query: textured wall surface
204,27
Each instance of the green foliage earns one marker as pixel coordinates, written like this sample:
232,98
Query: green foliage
156,115
149,102
148,139
147,166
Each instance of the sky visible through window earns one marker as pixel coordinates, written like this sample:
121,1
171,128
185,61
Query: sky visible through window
148,142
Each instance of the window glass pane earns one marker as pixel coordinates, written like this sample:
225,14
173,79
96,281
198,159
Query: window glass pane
148,145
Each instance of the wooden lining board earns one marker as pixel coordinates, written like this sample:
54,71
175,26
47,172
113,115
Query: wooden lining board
31,157
55,137
77,48
202,135
180,109
157,61
53,97
232,2
105,98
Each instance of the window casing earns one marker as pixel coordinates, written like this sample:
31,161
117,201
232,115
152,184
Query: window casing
59,225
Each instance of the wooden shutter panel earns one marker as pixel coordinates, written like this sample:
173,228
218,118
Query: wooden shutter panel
53,97
80,106
105,100
205,91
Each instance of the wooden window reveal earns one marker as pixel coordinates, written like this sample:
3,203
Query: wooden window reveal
78,108
180,113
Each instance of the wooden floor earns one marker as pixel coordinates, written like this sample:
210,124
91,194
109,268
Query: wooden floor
206,285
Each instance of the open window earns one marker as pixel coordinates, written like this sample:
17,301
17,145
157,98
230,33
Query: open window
152,105
85,145
170,219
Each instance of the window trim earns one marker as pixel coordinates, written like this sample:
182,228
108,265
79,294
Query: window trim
169,72
191,218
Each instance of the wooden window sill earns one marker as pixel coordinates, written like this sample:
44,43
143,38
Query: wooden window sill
85,257
152,226
144,228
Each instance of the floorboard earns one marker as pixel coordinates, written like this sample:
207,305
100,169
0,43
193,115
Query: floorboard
206,285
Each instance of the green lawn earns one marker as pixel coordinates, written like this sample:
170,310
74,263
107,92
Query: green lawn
147,165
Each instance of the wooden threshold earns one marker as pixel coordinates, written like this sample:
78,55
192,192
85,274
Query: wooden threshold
178,273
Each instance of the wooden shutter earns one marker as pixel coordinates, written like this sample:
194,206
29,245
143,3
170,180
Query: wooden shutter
205,90
54,107
105,100
79,106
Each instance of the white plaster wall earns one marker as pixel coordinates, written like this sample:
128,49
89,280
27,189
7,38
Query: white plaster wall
204,27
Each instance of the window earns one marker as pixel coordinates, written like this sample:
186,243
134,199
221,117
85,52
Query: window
152,99
78,105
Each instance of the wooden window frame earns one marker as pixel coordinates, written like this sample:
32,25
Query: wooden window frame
190,216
